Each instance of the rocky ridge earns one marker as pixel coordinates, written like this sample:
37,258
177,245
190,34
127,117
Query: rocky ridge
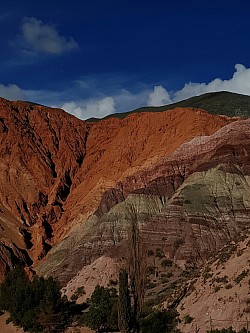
196,198
56,168
37,165
67,187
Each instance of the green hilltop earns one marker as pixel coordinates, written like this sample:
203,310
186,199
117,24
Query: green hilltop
223,102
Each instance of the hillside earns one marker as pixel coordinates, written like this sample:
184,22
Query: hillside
220,296
223,102
67,188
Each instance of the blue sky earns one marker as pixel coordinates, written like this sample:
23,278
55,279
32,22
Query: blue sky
94,57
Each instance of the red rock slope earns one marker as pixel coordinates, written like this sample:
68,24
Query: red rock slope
54,168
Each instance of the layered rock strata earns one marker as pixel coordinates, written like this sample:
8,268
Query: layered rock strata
66,184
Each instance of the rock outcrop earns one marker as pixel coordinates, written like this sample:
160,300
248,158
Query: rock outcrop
41,150
190,204
66,184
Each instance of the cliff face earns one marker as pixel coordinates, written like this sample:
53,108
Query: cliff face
66,184
40,152
190,204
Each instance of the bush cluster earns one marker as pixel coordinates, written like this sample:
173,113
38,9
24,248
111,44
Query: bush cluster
35,305
228,330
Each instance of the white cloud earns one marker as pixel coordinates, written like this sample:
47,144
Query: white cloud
239,83
93,108
40,37
126,101
99,102
158,97
12,92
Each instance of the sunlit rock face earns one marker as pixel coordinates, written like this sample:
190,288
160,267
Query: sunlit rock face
66,185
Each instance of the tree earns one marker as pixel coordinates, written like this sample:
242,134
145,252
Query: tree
136,264
14,293
35,305
48,321
102,314
124,303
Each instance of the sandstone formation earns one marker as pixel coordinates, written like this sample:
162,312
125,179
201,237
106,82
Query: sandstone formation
190,204
66,185
41,149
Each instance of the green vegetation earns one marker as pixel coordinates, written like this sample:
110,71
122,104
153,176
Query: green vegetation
159,253
124,304
36,305
223,279
151,270
188,319
177,243
80,291
167,263
228,330
150,253
223,102
241,276
158,321
216,288
102,314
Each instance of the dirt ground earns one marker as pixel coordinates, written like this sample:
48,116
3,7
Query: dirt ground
8,328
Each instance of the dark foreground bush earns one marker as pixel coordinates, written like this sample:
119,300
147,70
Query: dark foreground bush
159,321
36,305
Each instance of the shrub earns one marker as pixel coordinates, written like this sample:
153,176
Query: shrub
167,263
150,253
159,253
228,286
223,279
216,288
112,282
151,270
158,322
241,276
227,330
188,319
177,243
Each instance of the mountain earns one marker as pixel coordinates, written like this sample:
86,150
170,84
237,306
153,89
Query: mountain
223,102
41,149
67,188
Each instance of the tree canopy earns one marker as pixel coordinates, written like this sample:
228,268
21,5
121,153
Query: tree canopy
35,305
102,314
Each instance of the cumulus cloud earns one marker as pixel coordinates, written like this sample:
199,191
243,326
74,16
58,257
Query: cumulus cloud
126,100
93,108
158,97
40,37
12,92
239,83
99,101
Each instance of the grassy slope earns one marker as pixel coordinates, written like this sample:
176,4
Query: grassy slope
223,102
